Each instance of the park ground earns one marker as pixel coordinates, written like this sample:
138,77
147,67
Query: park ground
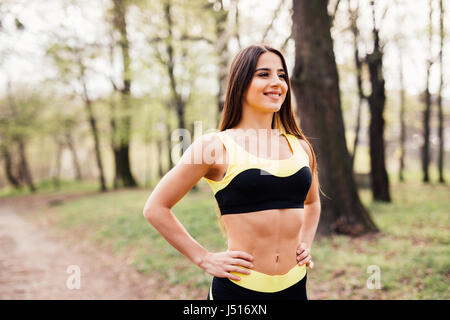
120,256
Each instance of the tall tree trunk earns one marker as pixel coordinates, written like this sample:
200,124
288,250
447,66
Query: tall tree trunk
9,167
159,147
169,147
75,160
195,187
427,111
354,13
24,170
316,84
439,98
221,47
402,118
57,172
24,167
121,146
377,98
94,130
177,99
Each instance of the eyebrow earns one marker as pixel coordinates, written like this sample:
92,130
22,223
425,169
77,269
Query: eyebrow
267,69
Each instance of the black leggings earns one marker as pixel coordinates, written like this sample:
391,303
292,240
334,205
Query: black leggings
225,289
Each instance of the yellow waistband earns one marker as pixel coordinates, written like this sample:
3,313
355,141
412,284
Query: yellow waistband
262,282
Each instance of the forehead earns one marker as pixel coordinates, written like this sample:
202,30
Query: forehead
269,60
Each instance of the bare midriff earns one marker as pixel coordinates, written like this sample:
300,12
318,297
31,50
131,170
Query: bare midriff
270,236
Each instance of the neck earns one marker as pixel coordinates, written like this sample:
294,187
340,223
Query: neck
258,125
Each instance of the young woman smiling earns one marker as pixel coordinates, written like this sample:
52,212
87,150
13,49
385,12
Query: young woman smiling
263,173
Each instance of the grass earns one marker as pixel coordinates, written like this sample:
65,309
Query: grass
411,251
50,187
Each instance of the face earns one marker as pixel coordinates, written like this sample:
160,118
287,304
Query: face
267,90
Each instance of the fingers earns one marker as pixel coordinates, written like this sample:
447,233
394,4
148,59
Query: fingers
310,264
304,261
238,270
237,262
242,263
232,276
240,254
303,254
235,269
302,246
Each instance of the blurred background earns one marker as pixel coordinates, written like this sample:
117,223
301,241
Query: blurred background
94,94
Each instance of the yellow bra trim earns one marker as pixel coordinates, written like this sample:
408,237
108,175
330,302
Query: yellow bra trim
241,160
262,282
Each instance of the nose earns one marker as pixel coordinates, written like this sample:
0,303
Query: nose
275,81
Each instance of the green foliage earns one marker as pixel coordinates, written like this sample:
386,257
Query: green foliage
22,116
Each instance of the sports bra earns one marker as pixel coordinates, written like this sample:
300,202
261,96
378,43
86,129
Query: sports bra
252,183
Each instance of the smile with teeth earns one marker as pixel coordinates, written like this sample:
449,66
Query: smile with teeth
273,95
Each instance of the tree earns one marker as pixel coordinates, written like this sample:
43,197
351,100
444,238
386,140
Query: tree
377,99
71,63
427,110
20,119
399,40
316,85
402,114
439,97
354,13
121,121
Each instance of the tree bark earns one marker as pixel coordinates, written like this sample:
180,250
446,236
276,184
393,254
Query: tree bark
439,97
159,148
57,173
75,160
221,48
354,13
94,130
377,98
24,170
121,145
402,118
9,168
178,101
316,85
23,165
427,111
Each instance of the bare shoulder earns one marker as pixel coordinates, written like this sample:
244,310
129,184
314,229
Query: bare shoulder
306,148
195,163
205,149
212,144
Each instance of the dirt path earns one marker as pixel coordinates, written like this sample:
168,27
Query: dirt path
34,265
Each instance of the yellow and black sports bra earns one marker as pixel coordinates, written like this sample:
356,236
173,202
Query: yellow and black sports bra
252,183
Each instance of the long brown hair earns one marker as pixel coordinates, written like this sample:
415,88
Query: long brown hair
241,73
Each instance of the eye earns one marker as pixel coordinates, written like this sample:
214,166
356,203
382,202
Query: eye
265,74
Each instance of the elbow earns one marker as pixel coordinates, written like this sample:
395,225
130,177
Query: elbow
149,215
153,215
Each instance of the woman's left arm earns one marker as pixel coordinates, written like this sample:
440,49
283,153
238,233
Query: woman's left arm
311,216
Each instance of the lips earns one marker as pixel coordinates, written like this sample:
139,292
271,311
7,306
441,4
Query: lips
273,95
273,92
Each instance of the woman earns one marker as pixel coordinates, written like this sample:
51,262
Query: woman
269,204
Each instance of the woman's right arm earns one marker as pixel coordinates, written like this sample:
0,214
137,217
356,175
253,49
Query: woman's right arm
193,165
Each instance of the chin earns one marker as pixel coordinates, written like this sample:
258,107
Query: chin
267,107
273,108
